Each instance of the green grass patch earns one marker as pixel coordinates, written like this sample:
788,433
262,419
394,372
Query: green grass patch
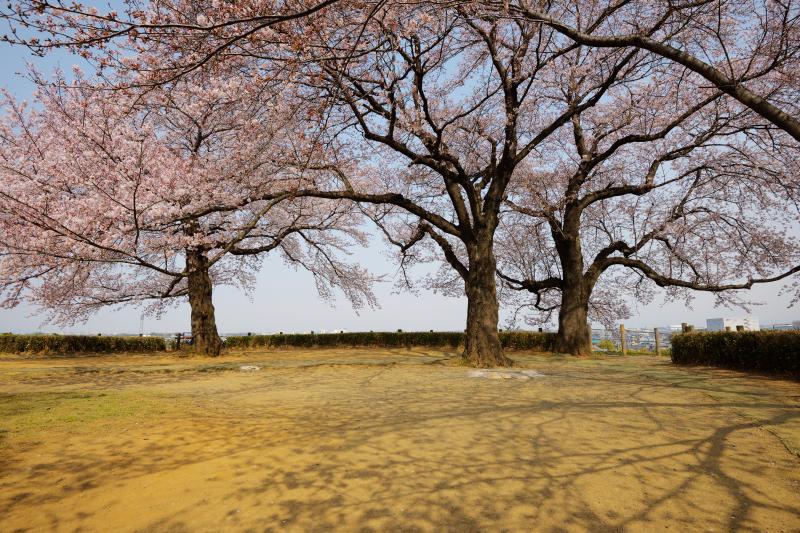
665,352
40,411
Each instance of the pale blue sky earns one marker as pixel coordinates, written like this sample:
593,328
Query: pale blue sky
285,299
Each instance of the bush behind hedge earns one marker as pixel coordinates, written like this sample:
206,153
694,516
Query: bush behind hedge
763,351
512,340
77,344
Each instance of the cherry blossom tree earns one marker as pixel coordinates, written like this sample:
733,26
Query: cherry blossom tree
455,110
110,199
327,55
151,43
748,50
671,183
446,109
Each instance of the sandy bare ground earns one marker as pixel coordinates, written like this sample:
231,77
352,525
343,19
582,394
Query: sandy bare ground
362,440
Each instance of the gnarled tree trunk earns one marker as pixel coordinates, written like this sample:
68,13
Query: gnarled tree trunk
204,326
573,321
482,346
573,316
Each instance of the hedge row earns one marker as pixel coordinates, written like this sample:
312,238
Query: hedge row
764,351
527,340
512,340
77,344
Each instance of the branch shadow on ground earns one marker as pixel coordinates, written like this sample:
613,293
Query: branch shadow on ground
422,448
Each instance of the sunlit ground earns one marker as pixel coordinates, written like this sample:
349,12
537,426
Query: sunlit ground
393,440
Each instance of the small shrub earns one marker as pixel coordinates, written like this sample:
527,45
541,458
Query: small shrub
607,344
77,344
763,351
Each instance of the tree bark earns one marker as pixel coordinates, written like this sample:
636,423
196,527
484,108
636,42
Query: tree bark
205,337
482,346
573,321
573,317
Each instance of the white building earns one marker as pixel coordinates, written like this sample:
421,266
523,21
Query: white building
722,324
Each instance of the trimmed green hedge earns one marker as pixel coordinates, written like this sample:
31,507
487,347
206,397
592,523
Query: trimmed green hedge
528,340
77,344
512,340
764,351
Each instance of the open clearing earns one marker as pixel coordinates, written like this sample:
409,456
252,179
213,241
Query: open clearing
378,440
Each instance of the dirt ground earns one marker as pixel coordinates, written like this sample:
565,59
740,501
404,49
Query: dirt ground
365,440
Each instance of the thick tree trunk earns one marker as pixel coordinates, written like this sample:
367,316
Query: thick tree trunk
482,346
205,338
573,317
573,321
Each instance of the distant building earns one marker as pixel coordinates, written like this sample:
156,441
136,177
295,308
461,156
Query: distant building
721,324
783,326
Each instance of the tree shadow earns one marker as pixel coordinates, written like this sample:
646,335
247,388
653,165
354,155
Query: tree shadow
417,448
